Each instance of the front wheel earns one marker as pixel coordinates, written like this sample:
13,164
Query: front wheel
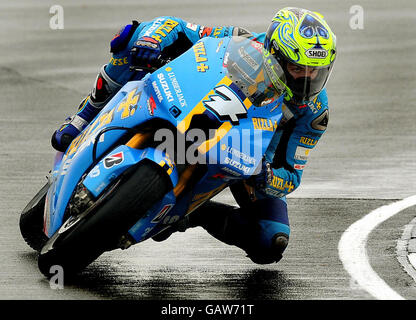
87,238
31,220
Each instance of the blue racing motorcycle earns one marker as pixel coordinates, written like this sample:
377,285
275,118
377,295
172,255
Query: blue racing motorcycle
158,150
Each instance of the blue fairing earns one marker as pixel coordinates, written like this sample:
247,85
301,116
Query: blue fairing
203,82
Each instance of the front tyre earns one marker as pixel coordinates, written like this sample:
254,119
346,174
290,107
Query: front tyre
87,238
31,220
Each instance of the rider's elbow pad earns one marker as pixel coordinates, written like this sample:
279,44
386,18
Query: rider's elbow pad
104,89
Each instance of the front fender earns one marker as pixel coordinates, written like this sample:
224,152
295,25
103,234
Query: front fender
122,158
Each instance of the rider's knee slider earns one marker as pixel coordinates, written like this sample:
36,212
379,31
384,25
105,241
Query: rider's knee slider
272,254
279,243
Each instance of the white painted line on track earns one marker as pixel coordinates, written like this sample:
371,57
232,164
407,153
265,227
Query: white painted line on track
353,253
412,259
406,254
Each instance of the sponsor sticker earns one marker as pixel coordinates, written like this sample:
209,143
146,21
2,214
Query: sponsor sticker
257,45
282,185
156,24
157,91
95,172
192,26
177,88
226,105
217,32
249,59
317,53
237,165
151,106
232,172
219,46
100,187
204,31
264,124
200,57
315,106
302,153
226,56
113,160
165,87
147,42
200,52
129,105
162,213
238,154
274,193
308,141
163,29
299,166
119,62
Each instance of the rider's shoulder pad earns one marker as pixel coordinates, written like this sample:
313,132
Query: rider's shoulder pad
242,32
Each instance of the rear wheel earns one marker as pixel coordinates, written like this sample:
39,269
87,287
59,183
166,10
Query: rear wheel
31,220
82,240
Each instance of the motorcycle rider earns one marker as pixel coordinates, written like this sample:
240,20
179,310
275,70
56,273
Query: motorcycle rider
304,46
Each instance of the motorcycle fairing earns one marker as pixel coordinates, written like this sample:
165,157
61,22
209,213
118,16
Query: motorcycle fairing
121,158
171,88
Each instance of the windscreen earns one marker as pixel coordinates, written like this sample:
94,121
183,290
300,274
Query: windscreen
244,62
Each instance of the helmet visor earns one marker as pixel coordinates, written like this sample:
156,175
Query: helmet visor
306,82
274,74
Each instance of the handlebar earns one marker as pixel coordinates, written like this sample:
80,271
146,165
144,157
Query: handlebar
160,62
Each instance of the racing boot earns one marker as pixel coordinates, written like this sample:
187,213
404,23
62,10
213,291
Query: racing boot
198,218
180,226
212,216
233,226
104,89
62,138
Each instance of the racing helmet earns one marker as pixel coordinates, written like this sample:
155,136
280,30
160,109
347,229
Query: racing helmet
301,41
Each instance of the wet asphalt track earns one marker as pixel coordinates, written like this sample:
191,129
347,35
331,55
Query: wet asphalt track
365,160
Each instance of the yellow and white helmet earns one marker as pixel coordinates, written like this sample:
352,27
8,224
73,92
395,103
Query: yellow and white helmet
299,38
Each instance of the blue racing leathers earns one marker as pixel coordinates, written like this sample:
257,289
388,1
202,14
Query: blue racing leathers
260,226
173,35
300,129
263,214
297,134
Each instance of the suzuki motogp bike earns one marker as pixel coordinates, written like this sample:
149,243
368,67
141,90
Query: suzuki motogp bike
115,186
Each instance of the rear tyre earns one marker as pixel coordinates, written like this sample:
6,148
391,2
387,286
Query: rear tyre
31,220
83,241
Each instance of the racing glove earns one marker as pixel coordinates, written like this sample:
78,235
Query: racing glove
145,54
264,178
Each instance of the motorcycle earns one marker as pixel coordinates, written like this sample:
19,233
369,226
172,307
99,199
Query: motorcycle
115,186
